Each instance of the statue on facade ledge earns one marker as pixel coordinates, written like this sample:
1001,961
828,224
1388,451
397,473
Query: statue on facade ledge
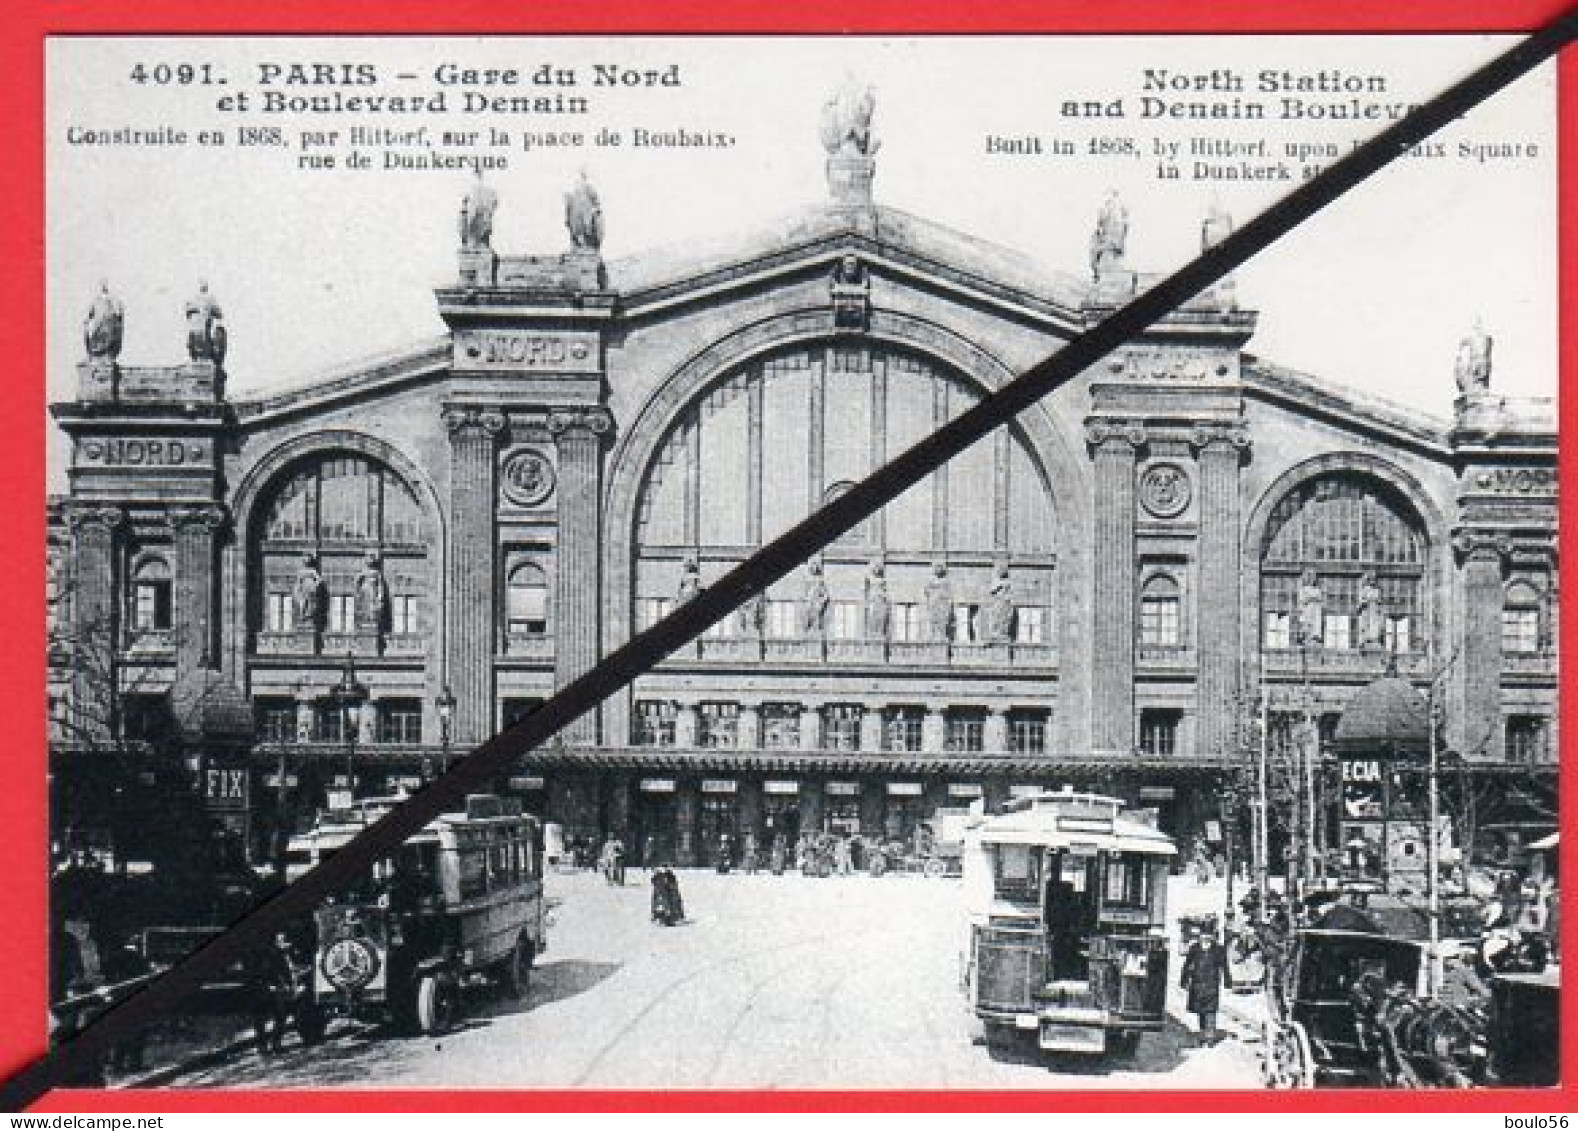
846,121
103,326
372,596
476,216
939,604
307,597
205,327
1312,609
689,581
1372,626
1473,362
1111,237
583,215
1000,606
813,609
878,607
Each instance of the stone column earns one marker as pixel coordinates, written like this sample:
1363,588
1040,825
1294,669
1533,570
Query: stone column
994,735
1219,447
1481,554
749,735
687,809
577,592
810,727
196,559
871,727
1112,657
687,726
97,633
473,435
934,730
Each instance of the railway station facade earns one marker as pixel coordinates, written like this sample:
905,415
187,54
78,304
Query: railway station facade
346,584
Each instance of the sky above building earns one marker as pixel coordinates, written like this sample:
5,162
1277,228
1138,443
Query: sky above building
316,267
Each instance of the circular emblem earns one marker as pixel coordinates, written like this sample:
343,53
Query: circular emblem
1165,490
528,478
349,963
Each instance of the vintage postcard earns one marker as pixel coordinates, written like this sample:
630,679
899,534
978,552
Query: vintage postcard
1195,730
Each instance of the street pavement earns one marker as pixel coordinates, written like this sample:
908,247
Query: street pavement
774,982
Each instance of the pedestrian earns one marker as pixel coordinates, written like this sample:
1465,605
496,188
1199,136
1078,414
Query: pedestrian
649,851
779,854
843,857
270,985
123,962
749,856
619,862
1203,976
725,853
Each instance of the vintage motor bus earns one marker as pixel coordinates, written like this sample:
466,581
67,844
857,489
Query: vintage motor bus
461,903
1067,900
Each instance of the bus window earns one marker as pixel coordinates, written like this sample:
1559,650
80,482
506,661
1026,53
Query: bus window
473,874
1127,882
1018,874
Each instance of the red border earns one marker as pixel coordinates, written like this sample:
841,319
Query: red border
22,794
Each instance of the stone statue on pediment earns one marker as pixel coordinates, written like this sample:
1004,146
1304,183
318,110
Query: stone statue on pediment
205,327
372,596
307,594
583,215
1312,609
1473,362
846,121
1110,239
1000,606
689,581
813,606
1216,226
879,609
103,327
1372,624
939,605
476,215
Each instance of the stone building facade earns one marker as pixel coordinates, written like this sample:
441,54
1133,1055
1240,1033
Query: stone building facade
1099,594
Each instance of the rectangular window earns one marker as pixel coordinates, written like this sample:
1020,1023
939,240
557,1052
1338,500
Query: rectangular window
783,620
1159,623
1337,631
903,728
780,726
276,719
653,724
328,722
966,624
841,726
402,616
1030,625
966,730
152,611
1027,732
342,612
1520,631
652,610
719,724
1525,739
908,623
400,721
512,711
1398,634
845,621
279,614
1159,732
1279,630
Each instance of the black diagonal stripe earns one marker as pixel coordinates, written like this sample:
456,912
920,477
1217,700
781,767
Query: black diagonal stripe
774,561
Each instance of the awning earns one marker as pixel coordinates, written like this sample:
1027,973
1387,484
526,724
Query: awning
1547,841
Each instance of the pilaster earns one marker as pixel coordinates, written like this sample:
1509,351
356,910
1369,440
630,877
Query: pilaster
1219,448
1482,555
473,437
1114,444
579,434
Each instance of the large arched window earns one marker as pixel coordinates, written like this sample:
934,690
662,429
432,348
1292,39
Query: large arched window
526,600
1343,568
1521,632
151,596
1161,620
340,547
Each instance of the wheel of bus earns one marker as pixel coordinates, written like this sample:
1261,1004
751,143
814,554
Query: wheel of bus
311,1023
435,1004
517,973
934,868
1124,1043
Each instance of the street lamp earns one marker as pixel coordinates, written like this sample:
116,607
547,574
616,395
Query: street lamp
349,696
445,702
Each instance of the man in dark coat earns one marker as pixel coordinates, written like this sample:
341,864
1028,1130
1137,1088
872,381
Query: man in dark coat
1203,976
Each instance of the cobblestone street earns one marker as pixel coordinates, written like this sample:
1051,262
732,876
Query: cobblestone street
775,982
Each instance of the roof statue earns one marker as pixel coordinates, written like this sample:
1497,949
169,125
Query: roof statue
1216,227
846,121
1473,361
102,328
583,215
205,327
1111,236
476,215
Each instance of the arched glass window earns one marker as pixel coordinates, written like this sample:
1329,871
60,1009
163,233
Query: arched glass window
527,600
1161,612
1342,567
1520,619
151,596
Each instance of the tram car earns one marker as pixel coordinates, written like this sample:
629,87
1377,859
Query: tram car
1067,901
459,905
